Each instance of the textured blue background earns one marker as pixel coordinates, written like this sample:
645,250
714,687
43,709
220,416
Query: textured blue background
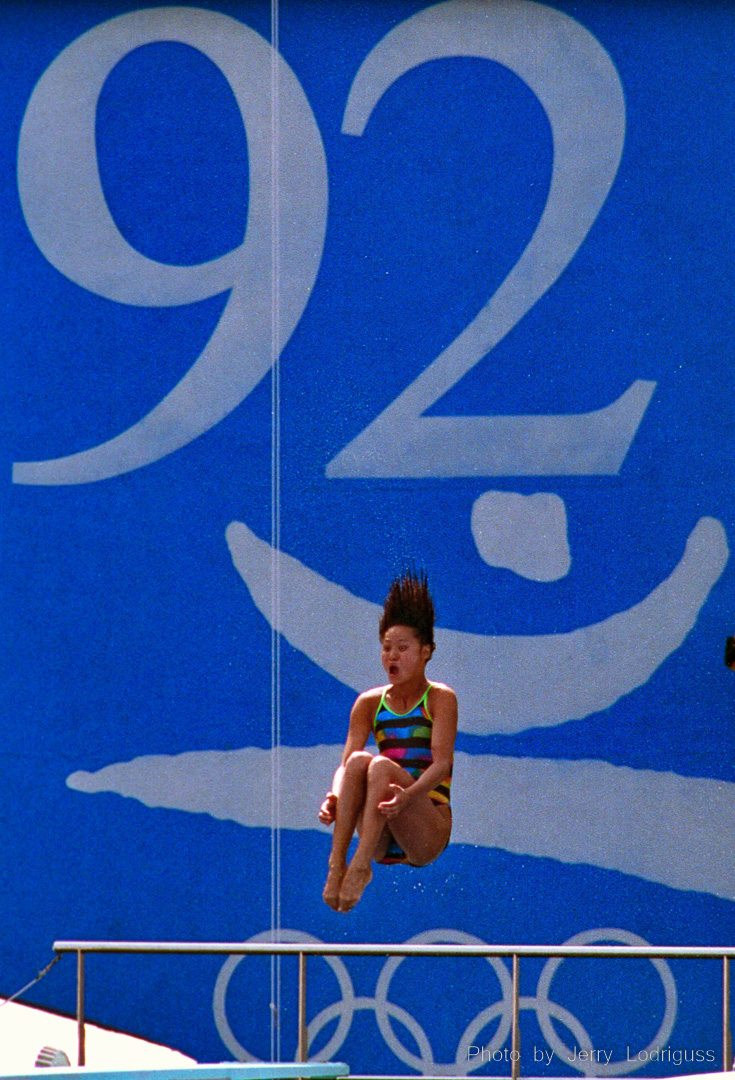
128,631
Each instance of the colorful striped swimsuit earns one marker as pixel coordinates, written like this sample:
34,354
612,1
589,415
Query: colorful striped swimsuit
406,739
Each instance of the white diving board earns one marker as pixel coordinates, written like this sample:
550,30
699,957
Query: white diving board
314,1070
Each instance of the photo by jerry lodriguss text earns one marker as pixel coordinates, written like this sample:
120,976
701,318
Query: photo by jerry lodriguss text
543,1055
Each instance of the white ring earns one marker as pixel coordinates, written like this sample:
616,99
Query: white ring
432,937
543,1004
219,1004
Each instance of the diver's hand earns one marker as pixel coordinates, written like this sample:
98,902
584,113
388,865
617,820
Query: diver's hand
328,809
401,799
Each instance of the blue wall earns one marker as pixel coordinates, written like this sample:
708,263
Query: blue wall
444,283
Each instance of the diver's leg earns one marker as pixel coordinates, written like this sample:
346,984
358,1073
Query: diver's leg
374,838
350,802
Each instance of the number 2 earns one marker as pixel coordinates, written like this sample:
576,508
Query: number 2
578,86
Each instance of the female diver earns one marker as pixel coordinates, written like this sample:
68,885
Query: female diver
397,799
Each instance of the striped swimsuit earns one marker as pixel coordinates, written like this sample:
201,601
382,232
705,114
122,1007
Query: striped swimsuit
406,739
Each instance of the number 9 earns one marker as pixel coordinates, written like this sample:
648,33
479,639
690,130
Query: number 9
65,210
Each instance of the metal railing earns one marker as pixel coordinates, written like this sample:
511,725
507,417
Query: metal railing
304,950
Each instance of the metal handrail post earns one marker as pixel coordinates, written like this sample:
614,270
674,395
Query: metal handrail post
81,1034
303,1043
515,1055
727,1061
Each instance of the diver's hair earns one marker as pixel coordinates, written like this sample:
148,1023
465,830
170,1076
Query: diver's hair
409,603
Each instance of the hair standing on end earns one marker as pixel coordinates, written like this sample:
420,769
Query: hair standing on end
409,603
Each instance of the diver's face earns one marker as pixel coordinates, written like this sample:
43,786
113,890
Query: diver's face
402,654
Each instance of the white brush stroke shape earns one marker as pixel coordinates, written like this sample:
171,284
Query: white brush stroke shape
523,533
665,828
504,683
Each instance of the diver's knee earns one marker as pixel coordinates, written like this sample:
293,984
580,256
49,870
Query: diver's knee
381,766
382,772
358,762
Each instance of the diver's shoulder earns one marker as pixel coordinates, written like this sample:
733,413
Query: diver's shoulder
440,689
370,699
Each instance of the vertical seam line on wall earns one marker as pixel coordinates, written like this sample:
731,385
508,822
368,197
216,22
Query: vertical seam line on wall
275,537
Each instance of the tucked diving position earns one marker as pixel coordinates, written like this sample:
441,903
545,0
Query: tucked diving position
397,799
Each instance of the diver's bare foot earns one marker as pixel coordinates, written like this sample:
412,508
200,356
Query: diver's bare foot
353,886
332,886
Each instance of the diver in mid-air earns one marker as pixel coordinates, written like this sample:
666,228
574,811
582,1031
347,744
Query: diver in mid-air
397,799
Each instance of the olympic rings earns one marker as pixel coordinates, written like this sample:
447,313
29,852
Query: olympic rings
613,1068
423,1062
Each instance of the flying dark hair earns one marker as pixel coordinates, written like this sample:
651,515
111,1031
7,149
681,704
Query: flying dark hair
409,603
